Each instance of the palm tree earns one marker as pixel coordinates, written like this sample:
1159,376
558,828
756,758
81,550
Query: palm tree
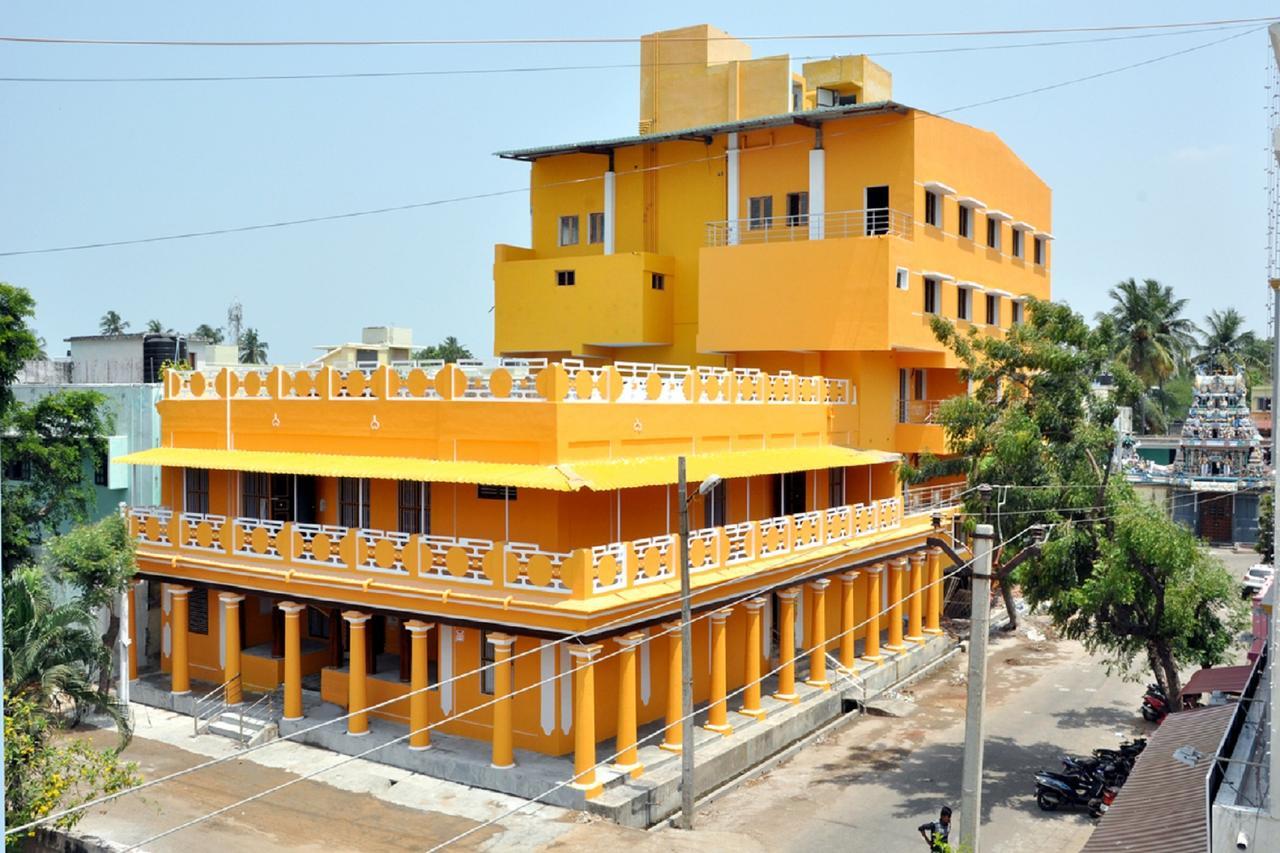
1151,337
112,324
209,333
253,350
51,650
1227,346
155,327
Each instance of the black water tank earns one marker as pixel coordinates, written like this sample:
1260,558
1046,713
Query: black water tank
157,350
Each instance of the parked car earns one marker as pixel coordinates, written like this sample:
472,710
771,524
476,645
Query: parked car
1254,578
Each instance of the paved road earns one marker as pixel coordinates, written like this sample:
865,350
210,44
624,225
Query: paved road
870,785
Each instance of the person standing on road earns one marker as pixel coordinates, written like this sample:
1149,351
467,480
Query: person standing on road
937,832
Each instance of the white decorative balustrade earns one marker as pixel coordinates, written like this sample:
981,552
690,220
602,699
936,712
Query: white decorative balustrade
319,551
569,381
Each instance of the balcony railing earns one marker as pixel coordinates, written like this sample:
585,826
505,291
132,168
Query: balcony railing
929,499
315,552
569,381
918,411
834,225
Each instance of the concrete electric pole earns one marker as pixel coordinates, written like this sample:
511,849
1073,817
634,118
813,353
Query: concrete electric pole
974,733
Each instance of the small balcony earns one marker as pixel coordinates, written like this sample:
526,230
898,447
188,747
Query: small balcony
838,224
918,428
416,572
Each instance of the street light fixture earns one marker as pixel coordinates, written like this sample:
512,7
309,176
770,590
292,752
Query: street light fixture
686,643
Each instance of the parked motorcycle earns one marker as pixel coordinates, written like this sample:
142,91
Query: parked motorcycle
1114,771
1059,790
1155,704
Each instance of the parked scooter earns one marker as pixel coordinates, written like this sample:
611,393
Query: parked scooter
1059,790
1114,770
1155,705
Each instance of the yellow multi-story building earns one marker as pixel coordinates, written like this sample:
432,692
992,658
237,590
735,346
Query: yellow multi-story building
492,551
816,234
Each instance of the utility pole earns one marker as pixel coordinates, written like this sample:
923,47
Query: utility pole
1273,653
974,732
686,660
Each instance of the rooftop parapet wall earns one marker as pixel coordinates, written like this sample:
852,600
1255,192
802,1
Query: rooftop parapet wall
517,411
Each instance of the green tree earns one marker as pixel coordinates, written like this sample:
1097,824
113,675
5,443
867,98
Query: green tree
98,561
44,773
46,446
1037,430
449,350
1226,346
253,350
17,341
1148,332
212,334
155,327
1266,544
51,651
112,324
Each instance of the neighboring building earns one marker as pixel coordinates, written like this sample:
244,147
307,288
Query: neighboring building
378,345
376,526
819,240
1218,473
99,359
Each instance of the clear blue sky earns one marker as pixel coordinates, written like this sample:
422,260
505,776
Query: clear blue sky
1156,172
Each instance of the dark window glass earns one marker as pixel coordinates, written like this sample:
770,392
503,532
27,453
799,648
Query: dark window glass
565,278
255,491
966,222
415,507
317,624
595,228
993,233
486,662
798,208
835,487
198,611
760,210
932,209
353,502
197,483
715,505
657,281
1039,250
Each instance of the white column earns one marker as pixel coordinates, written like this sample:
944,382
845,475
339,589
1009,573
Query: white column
610,211
817,192
126,613
731,188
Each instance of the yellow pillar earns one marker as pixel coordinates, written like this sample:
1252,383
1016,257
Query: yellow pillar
132,628
357,673
787,645
818,635
231,630
718,710
846,620
628,759
751,695
584,720
871,645
933,608
503,747
673,735
181,671
420,735
915,601
897,568
292,659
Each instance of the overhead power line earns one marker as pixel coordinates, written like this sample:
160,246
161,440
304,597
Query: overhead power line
539,40
284,223
528,69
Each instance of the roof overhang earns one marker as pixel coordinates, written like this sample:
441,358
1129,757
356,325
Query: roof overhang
1022,226
999,214
940,276
970,285
706,133
939,187
970,201
596,475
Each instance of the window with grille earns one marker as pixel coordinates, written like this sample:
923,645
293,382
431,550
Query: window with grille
197,490
255,494
415,507
715,504
353,502
198,611
496,493
835,487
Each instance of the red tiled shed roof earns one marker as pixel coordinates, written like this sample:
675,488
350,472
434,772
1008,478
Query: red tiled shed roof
1228,679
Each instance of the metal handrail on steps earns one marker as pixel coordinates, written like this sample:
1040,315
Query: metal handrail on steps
269,700
209,706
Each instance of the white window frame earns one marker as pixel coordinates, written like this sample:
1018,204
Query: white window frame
1016,243
595,227
932,286
902,278
993,232
993,299
1039,247
964,221
1017,312
936,198
964,303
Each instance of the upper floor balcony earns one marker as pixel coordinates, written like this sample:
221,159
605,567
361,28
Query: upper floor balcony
836,224
479,576
521,411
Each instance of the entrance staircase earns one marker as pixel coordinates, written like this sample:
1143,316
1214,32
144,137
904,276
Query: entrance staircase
247,723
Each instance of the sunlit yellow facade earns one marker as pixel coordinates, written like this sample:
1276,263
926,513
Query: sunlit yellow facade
417,541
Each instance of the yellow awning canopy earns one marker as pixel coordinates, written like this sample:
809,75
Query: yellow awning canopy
597,475
660,470
372,467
